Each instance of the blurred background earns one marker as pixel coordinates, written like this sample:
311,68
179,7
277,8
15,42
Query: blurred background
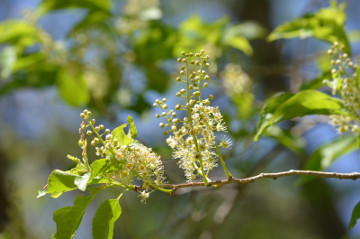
115,58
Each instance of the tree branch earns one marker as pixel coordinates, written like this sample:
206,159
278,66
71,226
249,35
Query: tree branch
292,172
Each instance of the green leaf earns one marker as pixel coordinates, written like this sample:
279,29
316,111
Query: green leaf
321,25
47,6
324,156
60,182
68,219
105,217
82,181
120,135
355,216
93,19
101,167
287,106
33,62
132,128
7,61
79,169
233,38
98,167
195,33
240,43
19,33
36,79
72,87
74,159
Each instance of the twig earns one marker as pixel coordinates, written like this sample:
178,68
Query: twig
292,172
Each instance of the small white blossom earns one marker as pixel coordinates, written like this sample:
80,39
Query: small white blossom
144,195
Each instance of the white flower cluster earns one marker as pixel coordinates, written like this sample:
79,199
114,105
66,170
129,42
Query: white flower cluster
141,162
135,161
344,80
205,120
192,139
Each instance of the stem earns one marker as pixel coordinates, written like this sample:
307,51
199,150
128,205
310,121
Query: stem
228,174
191,125
99,136
163,189
199,83
121,194
292,172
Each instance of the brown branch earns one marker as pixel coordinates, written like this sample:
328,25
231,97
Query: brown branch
292,172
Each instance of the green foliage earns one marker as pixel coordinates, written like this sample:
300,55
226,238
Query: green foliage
7,61
120,135
68,219
61,181
194,32
18,33
73,88
47,6
321,25
324,156
105,217
136,36
287,106
355,216
132,128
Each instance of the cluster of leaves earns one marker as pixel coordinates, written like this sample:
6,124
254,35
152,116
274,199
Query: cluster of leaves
111,169
92,61
342,76
82,176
